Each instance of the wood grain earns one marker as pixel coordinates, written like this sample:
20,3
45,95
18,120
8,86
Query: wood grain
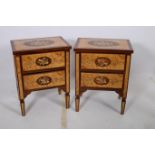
38,43
57,79
41,63
88,80
67,97
102,64
77,80
19,77
126,79
102,44
67,71
117,61
29,61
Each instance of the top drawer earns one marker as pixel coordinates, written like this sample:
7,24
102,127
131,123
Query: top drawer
43,61
102,61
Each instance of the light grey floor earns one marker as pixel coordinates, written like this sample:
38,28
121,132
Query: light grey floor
99,109
46,109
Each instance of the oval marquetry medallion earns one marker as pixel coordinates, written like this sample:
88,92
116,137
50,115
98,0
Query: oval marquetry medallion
43,61
102,61
39,43
103,43
44,80
101,80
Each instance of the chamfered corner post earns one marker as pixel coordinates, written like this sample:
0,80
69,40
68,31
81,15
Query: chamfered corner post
67,94
126,81
20,83
77,81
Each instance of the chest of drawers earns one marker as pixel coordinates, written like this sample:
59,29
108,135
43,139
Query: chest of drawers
102,64
41,63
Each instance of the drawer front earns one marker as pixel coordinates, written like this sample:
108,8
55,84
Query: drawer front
99,80
103,61
43,61
44,80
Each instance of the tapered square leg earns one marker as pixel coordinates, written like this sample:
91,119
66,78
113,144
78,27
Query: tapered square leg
22,106
67,97
77,104
123,106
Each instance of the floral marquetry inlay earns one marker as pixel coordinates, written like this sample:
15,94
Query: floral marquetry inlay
43,61
44,80
103,61
101,80
103,43
34,44
39,42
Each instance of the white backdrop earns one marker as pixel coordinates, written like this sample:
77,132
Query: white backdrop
96,107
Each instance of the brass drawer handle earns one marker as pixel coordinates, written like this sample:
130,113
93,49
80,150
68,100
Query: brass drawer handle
44,80
101,80
43,61
102,61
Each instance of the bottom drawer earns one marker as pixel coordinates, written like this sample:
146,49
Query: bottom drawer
101,80
44,80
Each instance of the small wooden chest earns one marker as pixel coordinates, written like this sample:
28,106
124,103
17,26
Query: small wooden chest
102,64
41,63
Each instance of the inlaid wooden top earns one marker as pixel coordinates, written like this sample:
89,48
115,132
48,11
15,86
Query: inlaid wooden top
99,44
29,45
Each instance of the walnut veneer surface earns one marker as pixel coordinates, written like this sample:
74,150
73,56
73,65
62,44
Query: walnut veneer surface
41,63
102,64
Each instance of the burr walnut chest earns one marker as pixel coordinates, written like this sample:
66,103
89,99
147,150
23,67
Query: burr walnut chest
102,64
41,63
